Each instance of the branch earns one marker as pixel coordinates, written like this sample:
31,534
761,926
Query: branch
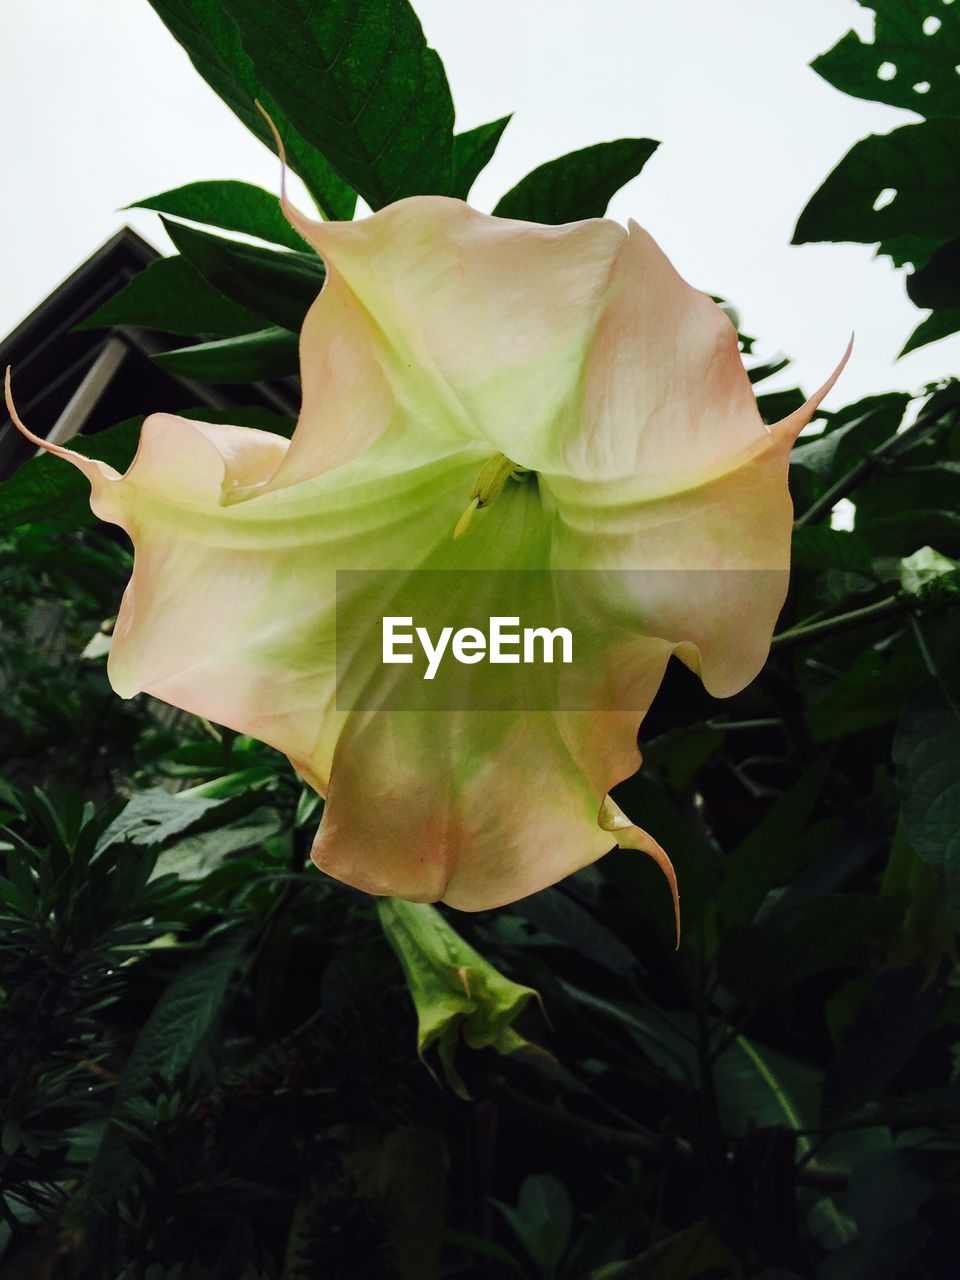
875,460
811,631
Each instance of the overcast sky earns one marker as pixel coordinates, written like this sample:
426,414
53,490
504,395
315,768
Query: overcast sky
101,107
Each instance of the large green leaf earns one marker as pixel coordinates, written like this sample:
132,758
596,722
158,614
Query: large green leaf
941,324
926,752
920,162
937,282
770,852
472,152
910,62
899,1011
180,1025
359,82
212,42
578,185
172,297
234,206
267,353
278,286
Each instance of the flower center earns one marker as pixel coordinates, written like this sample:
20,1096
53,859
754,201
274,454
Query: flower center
494,474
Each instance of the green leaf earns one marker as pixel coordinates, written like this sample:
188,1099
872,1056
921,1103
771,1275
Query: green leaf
903,54
472,152
155,816
542,1220
898,1013
578,185
182,1019
359,82
757,1085
171,297
937,283
278,286
771,851
820,547
921,162
268,353
926,749
870,691
485,1248
180,1024
941,324
234,206
212,41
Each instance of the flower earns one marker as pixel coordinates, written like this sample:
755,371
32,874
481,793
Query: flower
557,397
456,992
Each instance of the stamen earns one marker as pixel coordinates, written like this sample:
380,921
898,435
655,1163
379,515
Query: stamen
494,474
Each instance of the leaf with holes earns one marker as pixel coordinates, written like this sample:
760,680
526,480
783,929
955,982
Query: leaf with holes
911,61
358,81
919,162
937,283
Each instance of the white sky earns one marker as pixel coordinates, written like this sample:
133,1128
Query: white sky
101,107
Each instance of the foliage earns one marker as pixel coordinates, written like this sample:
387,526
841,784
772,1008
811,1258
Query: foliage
209,1063
901,188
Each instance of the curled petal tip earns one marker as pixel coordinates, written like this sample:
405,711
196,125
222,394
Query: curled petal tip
612,818
14,416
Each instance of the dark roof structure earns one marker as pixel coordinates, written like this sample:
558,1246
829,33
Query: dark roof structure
69,382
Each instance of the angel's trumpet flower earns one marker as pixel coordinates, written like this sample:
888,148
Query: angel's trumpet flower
559,398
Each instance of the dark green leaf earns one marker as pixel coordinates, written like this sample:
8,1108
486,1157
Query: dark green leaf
562,922
472,152
154,816
897,1014
358,81
268,353
578,185
921,162
776,405
234,206
886,1190
170,296
869,691
820,547
770,852
939,325
901,250
181,1023
926,752
212,41
904,56
278,286
757,1085
826,932
937,284
542,1220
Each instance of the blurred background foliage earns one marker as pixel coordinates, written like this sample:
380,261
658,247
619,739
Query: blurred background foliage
209,1052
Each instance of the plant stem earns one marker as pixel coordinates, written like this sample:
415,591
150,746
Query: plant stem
884,453
806,634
